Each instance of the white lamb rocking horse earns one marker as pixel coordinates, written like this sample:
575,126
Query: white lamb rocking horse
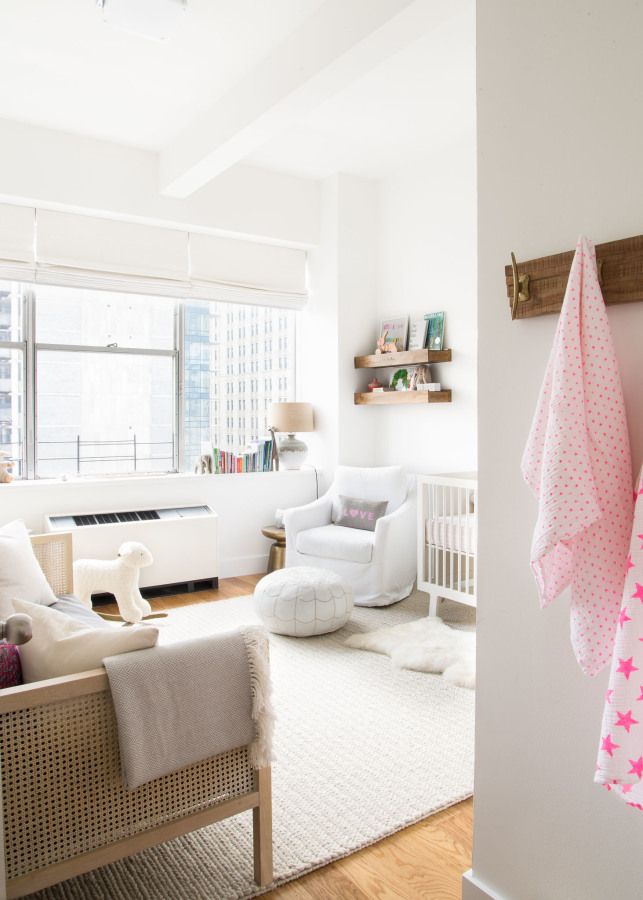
118,577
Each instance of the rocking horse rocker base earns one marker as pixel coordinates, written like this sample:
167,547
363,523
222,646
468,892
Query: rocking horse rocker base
111,618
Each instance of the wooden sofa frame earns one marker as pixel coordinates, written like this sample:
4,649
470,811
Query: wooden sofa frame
63,808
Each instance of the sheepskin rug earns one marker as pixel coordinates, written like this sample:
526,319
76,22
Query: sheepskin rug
425,645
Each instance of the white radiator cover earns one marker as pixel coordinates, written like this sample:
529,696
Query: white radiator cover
182,540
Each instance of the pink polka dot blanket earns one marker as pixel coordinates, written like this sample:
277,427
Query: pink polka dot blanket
620,754
577,462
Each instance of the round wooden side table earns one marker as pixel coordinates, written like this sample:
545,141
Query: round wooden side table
277,557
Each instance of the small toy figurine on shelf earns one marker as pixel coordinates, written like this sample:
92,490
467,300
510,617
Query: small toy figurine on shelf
420,376
6,465
384,346
374,384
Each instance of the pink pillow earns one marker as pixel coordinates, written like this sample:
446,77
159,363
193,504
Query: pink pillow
10,668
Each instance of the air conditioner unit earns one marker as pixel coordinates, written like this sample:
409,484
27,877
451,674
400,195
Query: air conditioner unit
182,540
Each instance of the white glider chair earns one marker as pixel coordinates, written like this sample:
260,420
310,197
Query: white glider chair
380,565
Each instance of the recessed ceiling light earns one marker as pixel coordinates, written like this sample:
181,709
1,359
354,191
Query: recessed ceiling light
155,19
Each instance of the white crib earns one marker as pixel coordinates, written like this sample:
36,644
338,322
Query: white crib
447,538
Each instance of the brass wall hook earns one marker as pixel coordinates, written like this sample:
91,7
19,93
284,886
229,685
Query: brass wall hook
520,285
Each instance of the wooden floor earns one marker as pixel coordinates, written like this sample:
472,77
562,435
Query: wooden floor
423,861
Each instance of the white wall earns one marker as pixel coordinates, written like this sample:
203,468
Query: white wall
56,170
559,132
427,259
318,357
358,217
406,244
343,288
244,503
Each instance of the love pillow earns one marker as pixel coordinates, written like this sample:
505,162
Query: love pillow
361,514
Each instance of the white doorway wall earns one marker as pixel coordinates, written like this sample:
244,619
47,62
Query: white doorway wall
559,136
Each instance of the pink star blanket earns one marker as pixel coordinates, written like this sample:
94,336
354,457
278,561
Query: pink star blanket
620,755
577,462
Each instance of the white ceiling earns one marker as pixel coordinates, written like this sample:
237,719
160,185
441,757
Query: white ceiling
419,99
64,68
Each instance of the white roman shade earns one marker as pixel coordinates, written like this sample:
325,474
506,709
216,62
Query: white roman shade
17,228
76,250
107,253
222,268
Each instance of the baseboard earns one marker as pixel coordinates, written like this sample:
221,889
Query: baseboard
474,889
243,565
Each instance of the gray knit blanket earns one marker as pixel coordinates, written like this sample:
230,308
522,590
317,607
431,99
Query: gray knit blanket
178,704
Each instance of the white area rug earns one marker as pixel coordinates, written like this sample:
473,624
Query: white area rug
425,645
362,750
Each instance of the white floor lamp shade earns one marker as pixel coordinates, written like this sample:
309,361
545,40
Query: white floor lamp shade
291,418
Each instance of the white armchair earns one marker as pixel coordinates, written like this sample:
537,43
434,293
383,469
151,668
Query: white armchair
380,565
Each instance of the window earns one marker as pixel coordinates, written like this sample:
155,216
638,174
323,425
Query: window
96,382
225,331
13,371
105,371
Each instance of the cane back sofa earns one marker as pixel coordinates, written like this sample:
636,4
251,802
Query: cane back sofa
64,809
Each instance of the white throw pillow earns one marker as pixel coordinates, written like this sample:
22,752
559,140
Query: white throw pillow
62,646
20,573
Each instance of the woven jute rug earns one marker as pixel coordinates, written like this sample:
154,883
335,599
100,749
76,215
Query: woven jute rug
361,751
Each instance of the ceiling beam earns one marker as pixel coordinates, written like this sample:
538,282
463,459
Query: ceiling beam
57,170
338,44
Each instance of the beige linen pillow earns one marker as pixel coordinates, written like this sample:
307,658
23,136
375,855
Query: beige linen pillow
62,646
20,573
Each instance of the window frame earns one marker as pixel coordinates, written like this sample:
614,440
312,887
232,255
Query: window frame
22,346
31,347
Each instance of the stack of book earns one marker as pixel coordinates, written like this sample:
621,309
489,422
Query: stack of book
257,458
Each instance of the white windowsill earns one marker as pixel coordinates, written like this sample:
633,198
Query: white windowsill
27,484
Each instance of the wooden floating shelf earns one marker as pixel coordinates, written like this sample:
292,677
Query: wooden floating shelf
403,358
401,397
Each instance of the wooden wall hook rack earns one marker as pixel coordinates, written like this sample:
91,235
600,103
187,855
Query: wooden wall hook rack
537,287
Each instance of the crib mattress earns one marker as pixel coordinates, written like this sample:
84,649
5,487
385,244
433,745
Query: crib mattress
458,533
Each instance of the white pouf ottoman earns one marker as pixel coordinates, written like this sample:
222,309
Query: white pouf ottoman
303,601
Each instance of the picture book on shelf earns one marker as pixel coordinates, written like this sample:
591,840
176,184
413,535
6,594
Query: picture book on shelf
396,329
435,331
417,334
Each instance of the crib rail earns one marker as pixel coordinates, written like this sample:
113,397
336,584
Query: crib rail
447,539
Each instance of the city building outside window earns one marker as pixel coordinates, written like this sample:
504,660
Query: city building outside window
104,383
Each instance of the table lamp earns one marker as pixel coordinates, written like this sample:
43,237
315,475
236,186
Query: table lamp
291,418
